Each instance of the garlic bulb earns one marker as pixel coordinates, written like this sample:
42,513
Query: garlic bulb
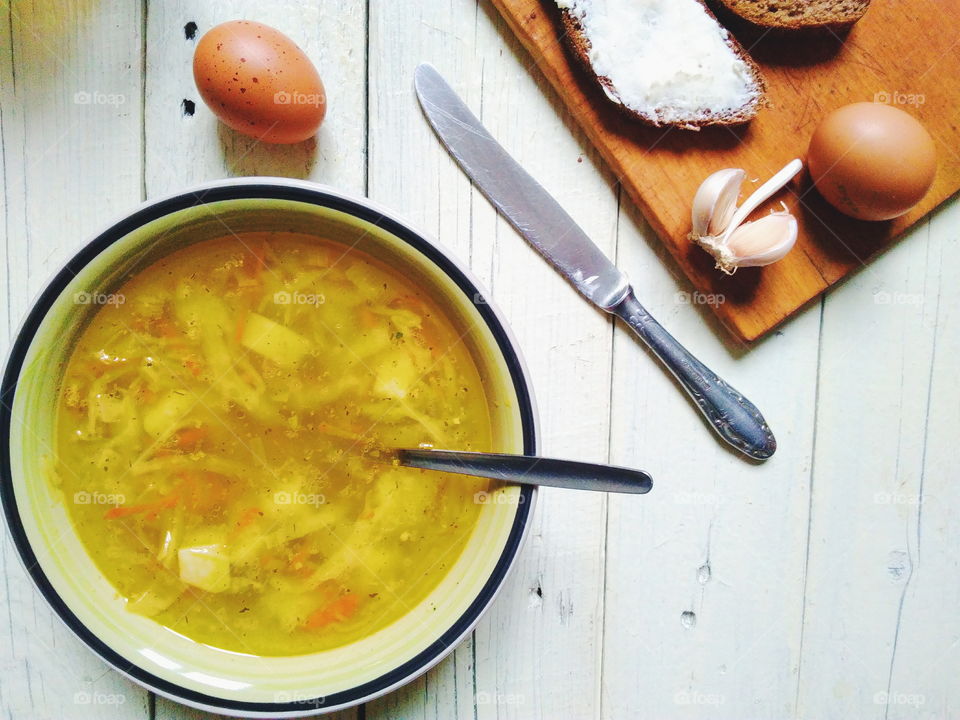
720,227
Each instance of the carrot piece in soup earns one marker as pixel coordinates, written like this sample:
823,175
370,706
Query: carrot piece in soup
191,437
153,508
339,610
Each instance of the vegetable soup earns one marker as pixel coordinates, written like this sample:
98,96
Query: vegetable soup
222,428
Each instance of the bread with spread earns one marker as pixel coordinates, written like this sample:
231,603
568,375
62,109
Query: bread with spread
666,62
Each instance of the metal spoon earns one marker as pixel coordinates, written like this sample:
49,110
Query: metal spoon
528,470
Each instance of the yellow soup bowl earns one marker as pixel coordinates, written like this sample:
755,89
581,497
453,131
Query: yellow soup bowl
166,662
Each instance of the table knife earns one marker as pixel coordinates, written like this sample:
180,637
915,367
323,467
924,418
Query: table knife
551,231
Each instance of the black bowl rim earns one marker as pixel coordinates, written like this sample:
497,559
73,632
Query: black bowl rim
313,195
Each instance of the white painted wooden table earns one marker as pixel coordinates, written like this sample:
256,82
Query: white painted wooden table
823,584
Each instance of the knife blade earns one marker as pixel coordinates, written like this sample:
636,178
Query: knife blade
542,222
522,200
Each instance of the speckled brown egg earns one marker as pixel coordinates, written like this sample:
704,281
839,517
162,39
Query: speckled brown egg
257,81
872,161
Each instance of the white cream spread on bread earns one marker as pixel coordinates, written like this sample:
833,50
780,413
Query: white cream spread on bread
667,59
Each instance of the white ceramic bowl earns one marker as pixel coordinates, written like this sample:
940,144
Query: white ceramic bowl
155,657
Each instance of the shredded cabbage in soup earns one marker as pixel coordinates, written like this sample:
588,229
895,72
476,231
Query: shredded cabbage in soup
220,436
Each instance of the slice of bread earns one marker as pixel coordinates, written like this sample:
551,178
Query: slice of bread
799,14
666,62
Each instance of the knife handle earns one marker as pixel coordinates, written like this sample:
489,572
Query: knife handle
729,413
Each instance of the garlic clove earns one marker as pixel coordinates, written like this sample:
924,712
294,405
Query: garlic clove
762,194
716,201
760,242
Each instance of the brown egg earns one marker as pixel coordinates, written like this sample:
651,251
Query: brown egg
257,81
872,161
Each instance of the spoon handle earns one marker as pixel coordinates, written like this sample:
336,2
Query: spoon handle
730,414
528,470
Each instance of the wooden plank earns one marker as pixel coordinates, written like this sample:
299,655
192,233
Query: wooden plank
183,149
881,565
407,174
661,169
70,88
550,611
704,578
926,658
65,85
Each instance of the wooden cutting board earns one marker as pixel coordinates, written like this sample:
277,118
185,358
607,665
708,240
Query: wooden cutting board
905,52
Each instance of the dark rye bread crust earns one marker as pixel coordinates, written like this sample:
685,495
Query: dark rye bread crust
579,45
835,15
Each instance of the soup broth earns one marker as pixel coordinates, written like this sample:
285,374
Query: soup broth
221,442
